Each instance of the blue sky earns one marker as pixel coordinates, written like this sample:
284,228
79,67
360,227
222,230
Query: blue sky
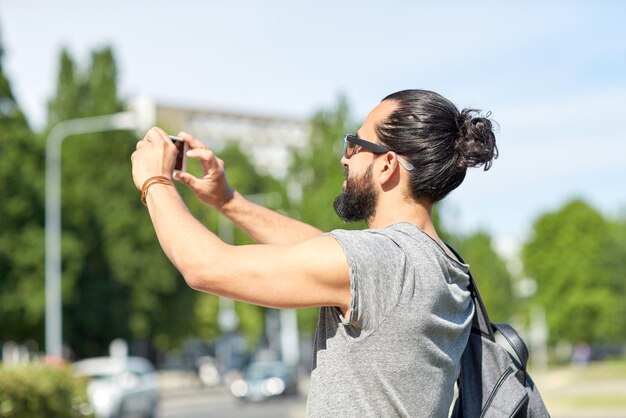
552,73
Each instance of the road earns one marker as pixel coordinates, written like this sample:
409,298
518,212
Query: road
596,391
202,403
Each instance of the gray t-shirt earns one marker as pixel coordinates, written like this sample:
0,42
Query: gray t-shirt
410,316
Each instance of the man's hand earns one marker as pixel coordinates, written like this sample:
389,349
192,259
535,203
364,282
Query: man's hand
155,155
212,188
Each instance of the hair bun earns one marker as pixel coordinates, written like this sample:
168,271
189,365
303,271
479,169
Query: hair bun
476,142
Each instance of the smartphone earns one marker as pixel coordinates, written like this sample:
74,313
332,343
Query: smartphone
181,157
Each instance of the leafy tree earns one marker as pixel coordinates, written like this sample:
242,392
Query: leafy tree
21,221
125,286
571,256
617,267
489,270
122,279
66,102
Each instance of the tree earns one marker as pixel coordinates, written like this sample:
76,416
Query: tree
115,277
21,221
571,255
124,285
490,273
617,267
66,102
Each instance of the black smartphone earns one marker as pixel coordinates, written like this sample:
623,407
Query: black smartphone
181,157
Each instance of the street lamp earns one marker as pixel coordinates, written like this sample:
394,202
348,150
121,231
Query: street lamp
116,121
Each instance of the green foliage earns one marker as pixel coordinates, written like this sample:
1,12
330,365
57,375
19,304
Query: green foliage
318,171
206,311
617,265
21,221
65,104
492,277
36,390
577,258
121,279
118,283
268,191
251,322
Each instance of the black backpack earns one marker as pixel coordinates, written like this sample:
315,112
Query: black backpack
493,382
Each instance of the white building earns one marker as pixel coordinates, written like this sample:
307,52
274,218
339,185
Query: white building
267,139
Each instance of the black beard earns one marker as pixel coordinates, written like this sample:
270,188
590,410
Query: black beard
358,200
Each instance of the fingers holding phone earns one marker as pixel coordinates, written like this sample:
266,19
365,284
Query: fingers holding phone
212,188
196,149
180,165
154,156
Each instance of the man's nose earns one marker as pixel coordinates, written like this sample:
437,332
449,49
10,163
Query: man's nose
345,170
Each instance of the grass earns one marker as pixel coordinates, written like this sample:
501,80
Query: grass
600,386
585,403
609,369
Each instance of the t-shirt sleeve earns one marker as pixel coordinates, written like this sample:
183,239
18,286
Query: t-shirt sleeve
377,266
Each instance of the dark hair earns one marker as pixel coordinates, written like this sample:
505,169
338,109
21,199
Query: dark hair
440,141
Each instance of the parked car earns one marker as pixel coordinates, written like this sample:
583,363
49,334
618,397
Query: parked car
120,387
262,380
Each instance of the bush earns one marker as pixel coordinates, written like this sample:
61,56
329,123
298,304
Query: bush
38,390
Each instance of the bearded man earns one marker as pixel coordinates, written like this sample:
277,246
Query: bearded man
395,312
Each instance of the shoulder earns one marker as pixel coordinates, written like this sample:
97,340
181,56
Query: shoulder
389,233
401,235
371,242
374,252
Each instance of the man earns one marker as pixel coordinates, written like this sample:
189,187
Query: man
395,310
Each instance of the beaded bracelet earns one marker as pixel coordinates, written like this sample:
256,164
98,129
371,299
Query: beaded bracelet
150,182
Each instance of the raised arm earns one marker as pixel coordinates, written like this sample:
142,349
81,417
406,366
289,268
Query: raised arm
263,225
311,273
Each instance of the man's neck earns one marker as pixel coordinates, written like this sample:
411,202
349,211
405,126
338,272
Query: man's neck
417,213
407,210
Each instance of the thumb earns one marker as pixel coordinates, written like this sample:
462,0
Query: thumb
187,179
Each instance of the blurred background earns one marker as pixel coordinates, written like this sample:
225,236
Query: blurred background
273,87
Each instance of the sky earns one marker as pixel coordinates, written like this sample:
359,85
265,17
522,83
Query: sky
553,74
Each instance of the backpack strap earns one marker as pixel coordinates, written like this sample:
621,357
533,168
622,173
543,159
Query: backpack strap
480,321
482,324
516,343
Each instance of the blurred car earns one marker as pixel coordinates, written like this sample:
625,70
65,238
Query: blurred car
120,387
262,380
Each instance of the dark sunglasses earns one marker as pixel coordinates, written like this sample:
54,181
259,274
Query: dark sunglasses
352,143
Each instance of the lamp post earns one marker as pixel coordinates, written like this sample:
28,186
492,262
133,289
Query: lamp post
116,121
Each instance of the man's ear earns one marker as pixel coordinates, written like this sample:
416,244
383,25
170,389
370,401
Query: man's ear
389,170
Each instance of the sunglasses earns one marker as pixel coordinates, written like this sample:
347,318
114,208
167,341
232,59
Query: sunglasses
352,144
